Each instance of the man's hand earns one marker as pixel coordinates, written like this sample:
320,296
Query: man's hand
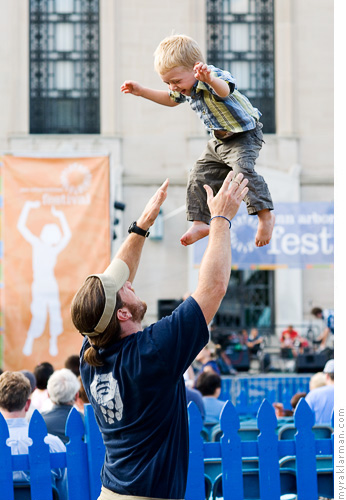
153,206
131,87
229,197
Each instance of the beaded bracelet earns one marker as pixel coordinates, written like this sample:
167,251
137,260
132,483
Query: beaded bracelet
223,217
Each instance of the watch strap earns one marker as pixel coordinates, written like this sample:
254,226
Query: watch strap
138,230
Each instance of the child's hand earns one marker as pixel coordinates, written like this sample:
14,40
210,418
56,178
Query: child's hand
202,72
131,87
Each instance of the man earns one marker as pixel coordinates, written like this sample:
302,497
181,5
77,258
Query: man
196,397
321,400
254,341
32,379
15,394
133,377
327,315
292,341
39,397
63,387
208,384
72,363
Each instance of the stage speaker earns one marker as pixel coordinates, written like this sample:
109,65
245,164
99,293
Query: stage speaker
240,359
311,363
165,307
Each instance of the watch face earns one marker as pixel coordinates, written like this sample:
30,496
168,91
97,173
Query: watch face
132,226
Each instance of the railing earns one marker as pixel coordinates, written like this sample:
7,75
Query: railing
238,468
258,469
247,393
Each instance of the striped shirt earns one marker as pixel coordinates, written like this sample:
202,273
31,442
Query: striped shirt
233,113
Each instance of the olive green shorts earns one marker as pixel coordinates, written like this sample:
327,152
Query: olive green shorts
238,153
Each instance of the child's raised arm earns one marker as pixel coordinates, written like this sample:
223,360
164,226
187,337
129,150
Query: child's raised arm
158,96
203,73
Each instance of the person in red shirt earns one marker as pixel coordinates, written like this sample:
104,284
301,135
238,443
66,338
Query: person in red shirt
290,339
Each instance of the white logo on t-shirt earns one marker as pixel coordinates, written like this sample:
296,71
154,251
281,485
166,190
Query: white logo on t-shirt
105,390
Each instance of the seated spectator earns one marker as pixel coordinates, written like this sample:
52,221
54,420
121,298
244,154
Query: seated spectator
209,385
72,363
207,360
280,411
296,398
189,377
15,393
63,387
293,342
195,396
243,337
254,341
82,398
327,316
42,373
321,400
317,380
32,379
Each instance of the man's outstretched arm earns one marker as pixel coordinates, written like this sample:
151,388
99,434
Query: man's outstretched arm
215,268
131,250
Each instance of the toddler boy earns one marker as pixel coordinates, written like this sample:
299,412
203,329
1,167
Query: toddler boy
228,116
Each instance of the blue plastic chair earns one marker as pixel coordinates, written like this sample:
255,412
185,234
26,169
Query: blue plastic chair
22,491
245,433
251,484
321,431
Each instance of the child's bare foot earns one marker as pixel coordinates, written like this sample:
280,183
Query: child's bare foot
266,221
197,231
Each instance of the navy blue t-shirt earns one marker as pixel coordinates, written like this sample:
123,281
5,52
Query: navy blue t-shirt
139,401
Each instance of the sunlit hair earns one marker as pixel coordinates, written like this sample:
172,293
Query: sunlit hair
175,51
63,386
317,380
15,390
86,310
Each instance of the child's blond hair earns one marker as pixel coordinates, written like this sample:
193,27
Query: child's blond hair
176,50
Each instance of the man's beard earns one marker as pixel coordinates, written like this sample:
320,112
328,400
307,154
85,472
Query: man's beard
137,310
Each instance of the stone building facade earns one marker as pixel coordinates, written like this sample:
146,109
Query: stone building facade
148,143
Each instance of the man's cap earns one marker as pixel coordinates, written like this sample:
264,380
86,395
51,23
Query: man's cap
31,377
329,366
113,279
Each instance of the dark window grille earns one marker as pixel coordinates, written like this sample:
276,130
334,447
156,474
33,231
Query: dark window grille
64,67
249,302
240,39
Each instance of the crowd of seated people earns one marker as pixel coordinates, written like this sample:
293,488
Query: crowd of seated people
15,393
51,392
56,392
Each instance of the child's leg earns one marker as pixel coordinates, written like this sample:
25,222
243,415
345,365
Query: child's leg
240,153
207,170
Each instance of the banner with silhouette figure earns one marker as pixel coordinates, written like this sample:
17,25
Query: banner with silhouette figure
56,233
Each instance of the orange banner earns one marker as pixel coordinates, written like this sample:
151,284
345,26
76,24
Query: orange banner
56,232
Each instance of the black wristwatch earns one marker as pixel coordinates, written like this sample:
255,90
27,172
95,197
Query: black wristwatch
138,230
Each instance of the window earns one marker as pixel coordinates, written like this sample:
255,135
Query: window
249,302
64,67
240,39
